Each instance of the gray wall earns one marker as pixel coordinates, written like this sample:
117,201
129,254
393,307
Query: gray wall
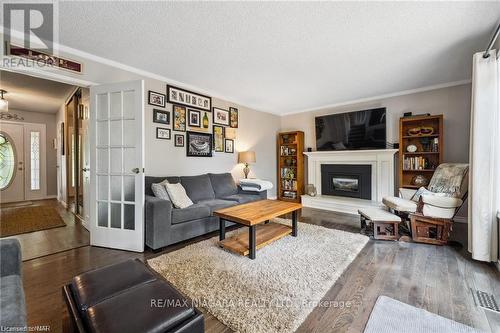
257,131
49,119
452,102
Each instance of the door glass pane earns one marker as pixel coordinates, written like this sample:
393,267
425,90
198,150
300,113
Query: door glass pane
102,133
129,162
129,217
7,162
129,133
35,160
102,214
116,105
102,106
129,188
102,188
116,132
116,215
128,104
102,160
116,188
116,160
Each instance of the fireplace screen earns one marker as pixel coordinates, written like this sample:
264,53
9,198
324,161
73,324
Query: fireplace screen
345,184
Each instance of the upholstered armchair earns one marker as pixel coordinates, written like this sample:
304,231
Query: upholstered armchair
441,199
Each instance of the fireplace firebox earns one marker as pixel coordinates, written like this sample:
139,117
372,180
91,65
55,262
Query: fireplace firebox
347,180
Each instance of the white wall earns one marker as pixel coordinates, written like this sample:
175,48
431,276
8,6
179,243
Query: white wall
452,102
257,131
49,119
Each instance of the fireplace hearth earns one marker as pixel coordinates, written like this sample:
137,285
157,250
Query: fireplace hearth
347,180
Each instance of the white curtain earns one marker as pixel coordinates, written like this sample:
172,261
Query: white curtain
484,174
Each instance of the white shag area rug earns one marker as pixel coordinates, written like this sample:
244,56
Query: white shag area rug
273,293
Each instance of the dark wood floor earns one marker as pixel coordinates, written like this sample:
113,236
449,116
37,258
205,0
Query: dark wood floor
431,277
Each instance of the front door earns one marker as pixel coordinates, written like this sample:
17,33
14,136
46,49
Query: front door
11,162
117,166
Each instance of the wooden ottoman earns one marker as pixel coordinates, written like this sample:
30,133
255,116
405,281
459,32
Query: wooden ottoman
385,224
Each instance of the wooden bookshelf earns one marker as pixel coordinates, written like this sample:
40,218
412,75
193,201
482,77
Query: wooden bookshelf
429,153
290,166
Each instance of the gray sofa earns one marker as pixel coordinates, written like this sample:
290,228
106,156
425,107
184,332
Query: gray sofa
12,304
166,225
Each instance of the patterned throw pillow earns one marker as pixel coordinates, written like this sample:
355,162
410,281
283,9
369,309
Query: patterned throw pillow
178,195
160,191
421,191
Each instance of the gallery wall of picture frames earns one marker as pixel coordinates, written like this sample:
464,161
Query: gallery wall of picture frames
190,114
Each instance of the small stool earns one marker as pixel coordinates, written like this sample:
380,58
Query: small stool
385,224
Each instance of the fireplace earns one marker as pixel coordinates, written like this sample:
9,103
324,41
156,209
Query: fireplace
347,180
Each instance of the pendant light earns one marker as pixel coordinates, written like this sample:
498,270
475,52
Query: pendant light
4,104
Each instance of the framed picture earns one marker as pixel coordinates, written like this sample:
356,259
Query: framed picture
218,138
229,146
179,140
163,133
179,118
188,98
221,116
160,116
233,117
156,99
194,118
199,144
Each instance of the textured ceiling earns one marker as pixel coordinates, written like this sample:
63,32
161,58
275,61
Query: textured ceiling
28,93
285,57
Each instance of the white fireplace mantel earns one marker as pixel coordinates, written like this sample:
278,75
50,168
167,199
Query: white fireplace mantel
383,175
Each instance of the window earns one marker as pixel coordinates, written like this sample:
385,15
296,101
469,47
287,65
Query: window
7,162
35,160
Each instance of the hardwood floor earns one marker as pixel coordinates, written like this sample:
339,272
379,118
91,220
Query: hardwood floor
427,276
45,242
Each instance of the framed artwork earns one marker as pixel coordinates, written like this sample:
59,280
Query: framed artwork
218,138
194,118
221,116
160,116
156,99
185,97
199,144
233,117
179,140
179,118
229,146
163,133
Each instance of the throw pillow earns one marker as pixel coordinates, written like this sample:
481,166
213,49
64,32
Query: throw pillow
178,195
421,191
160,191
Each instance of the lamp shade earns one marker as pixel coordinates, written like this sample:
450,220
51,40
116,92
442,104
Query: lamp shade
246,157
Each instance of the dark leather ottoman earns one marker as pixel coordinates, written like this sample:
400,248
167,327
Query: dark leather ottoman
128,297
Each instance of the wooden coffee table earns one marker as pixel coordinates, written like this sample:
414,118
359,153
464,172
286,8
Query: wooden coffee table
256,215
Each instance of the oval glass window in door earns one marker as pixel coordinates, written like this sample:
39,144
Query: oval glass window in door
7,161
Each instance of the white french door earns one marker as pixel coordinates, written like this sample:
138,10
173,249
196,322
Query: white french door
117,165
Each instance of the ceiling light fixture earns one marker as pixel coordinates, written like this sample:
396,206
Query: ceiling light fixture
4,104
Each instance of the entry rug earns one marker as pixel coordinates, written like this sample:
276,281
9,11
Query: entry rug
20,220
273,293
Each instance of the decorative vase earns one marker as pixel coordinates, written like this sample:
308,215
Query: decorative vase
311,190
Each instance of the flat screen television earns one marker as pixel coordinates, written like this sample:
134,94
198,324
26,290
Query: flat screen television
357,130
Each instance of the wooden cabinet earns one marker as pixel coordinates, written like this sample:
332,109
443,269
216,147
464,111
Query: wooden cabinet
290,166
420,149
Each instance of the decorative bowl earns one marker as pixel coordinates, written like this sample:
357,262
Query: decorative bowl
414,131
420,180
426,130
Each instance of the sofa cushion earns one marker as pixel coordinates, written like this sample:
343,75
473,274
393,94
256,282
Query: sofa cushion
178,195
198,187
223,184
92,287
148,180
196,211
215,204
151,307
160,191
243,198
399,204
12,306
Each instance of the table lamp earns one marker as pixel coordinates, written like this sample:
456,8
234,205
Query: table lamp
246,157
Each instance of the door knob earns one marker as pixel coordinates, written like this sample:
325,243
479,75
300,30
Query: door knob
135,170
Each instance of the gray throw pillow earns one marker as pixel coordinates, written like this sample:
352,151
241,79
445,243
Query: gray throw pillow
160,190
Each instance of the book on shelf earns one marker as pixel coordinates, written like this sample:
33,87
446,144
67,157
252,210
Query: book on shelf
289,194
415,163
287,172
289,185
287,151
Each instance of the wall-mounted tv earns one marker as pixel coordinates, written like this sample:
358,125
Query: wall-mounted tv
357,130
